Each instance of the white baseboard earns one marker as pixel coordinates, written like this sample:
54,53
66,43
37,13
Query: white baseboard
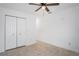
59,45
31,42
1,51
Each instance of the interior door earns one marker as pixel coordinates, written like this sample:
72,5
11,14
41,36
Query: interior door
10,32
21,32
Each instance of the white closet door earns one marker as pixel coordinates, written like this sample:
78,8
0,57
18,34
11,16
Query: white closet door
21,32
10,32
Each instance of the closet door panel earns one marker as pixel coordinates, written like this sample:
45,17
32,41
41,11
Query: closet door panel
10,32
21,32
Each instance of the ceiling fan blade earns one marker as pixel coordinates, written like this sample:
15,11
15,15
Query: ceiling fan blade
47,9
34,4
38,9
53,4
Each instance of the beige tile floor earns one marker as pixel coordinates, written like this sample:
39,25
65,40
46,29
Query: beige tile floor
39,49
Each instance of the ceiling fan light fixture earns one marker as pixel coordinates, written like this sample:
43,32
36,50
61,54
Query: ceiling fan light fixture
43,7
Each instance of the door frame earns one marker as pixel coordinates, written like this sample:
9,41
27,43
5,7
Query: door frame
5,28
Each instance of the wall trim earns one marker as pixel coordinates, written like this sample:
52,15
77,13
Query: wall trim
48,42
30,43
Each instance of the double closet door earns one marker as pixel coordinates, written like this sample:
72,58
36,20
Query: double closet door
15,32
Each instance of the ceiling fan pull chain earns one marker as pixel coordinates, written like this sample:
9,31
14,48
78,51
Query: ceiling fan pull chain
43,12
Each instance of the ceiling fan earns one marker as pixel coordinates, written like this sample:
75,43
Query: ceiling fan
44,6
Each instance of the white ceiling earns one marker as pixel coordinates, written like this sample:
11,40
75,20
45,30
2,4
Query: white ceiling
26,8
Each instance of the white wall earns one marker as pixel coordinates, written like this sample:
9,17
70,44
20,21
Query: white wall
61,28
1,32
31,30
30,26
